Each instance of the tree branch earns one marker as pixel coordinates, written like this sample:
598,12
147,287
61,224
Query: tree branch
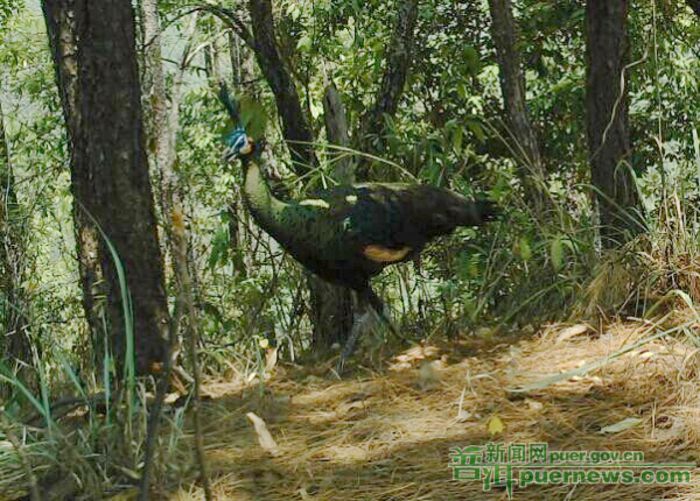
295,126
230,19
526,146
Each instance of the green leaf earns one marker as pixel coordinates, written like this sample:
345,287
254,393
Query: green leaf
304,43
556,252
457,138
219,249
471,60
524,249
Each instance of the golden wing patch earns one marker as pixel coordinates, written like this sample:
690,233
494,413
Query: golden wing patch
315,202
380,254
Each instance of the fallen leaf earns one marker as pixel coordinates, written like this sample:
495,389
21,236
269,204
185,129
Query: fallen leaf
495,425
270,359
569,332
264,436
534,404
623,425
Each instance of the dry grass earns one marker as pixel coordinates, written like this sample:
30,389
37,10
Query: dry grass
386,435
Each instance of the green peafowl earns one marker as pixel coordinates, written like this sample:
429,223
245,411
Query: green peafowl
349,234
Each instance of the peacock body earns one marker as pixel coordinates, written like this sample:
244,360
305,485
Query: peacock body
349,234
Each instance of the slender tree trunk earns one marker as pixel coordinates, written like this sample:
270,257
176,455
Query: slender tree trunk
607,120
243,66
526,148
398,61
62,30
14,342
337,133
243,73
295,126
163,135
93,45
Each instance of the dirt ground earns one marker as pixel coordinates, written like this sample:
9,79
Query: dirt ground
386,434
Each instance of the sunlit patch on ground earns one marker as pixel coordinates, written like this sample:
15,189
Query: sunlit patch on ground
385,436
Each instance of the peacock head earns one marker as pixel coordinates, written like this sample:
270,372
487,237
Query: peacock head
238,145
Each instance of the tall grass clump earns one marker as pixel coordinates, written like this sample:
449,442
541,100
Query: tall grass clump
88,446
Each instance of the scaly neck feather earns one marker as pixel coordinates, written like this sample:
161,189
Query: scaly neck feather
263,205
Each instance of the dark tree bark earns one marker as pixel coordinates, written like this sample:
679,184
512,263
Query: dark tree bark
607,120
526,148
337,133
15,344
61,27
331,313
397,64
94,53
295,126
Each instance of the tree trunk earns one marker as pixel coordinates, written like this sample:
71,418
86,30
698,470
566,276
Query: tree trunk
295,126
15,345
527,151
398,61
163,134
94,53
607,120
331,306
331,313
243,66
62,30
336,123
243,73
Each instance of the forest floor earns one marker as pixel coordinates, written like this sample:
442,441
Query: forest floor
386,434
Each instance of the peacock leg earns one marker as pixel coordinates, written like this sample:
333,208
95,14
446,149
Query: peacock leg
358,327
369,302
380,309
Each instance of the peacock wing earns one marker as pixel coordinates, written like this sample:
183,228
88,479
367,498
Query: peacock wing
379,222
